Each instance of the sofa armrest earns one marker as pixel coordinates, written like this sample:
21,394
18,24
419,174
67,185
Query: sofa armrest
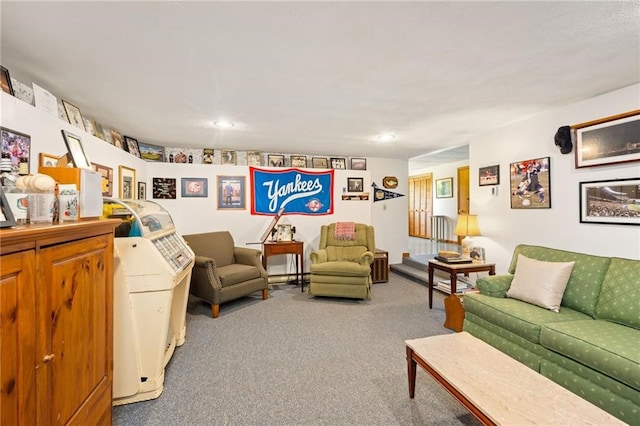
247,256
319,256
205,268
366,258
494,285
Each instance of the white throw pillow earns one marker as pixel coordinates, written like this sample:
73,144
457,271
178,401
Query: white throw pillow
540,283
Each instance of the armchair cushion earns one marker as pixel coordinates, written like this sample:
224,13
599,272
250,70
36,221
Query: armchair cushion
342,268
237,273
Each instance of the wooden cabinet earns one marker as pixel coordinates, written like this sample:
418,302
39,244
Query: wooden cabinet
420,205
380,267
56,323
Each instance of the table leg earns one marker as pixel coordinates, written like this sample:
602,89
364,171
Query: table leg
411,370
454,282
430,285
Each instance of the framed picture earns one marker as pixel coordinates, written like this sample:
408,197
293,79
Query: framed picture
530,182
5,81
194,187
164,188
444,188
477,254
47,160
489,175
107,178
358,164
149,152
127,183
615,201
355,184
610,140
74,116
98,131
228,157
131,146
75,150
116,139
319,163
338,163
275,160
298,161
6,215
142,190
231,192
17,145
254,158
207,156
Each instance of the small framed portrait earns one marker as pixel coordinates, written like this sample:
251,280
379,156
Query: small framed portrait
355,184
75,150
614,202
142,190
275,160
319,163
116,139
194,187
254,158
150,152
47,160
231,193
74,117
228,157
444,188
18,146
106,173
164,188
131,146
126,191
358,164
5,81
530,183
98,131
489,175
338,163
298,161
6,215
477,254
207,155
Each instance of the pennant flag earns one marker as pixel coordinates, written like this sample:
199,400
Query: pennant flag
380,194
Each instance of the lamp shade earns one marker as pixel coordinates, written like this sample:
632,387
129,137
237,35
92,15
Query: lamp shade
467,225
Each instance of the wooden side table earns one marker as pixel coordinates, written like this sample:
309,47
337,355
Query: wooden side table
380,267
273,248
453,269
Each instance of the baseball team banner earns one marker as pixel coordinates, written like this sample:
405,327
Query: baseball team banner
297,191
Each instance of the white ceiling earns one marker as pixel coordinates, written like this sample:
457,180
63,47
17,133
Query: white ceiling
320,78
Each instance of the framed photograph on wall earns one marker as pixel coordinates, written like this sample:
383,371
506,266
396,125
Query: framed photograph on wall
228,157
194,187
74,117
615,201
126,191
358,164
338,163
489,175
75,150
164,188
5,81
275,160
609,140
355,184
254,158
17,145
231,193
131,146
298,161
116,139
106,173
319,163
530,182
150,152
142,190
444,188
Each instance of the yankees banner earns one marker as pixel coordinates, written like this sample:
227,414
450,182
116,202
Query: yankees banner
297,191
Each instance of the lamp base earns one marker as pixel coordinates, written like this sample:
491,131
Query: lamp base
467,243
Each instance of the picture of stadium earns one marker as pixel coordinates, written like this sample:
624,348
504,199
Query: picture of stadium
614,200
530,188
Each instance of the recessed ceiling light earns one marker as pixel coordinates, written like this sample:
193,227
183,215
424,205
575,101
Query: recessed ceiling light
386,137
224,124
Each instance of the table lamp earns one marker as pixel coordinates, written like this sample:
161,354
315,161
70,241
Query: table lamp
467,225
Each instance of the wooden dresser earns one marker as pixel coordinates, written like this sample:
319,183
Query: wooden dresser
56,323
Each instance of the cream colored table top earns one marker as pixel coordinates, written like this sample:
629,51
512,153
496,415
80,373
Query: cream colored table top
505,390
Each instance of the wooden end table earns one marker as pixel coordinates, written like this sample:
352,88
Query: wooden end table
453,269
272,248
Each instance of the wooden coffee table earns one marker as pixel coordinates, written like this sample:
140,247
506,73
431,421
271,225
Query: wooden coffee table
453,269
495,388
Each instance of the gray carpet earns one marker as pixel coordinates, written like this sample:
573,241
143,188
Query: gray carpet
299,360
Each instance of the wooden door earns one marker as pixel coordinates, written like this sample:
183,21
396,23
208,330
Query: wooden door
463,193
420,206
79,332
18,339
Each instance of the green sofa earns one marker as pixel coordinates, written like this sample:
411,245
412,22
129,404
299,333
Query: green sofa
591,347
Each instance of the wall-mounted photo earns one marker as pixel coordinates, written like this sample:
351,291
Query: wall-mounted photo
444,188
275,160
228,157
207,155
126,191
106,173
131,146
615,201
298,161
358,164
73,115
355,184
116,139
338,163
319,163
254,158
164,188
142,190
17,146
231,193
5,81
489,175
75,150
530,182
150,152
609,140
194,187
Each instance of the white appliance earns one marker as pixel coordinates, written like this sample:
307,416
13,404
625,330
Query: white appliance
152,274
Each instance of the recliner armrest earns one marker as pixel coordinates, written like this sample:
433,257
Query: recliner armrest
366,258
319,256
494,285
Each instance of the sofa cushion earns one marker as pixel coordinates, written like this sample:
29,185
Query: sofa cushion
520,318
541,283
237,273
602,345
586,278
620,294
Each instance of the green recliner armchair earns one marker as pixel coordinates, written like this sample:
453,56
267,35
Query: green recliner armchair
340,267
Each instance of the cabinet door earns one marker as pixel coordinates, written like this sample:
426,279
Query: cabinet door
17,339
78,337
